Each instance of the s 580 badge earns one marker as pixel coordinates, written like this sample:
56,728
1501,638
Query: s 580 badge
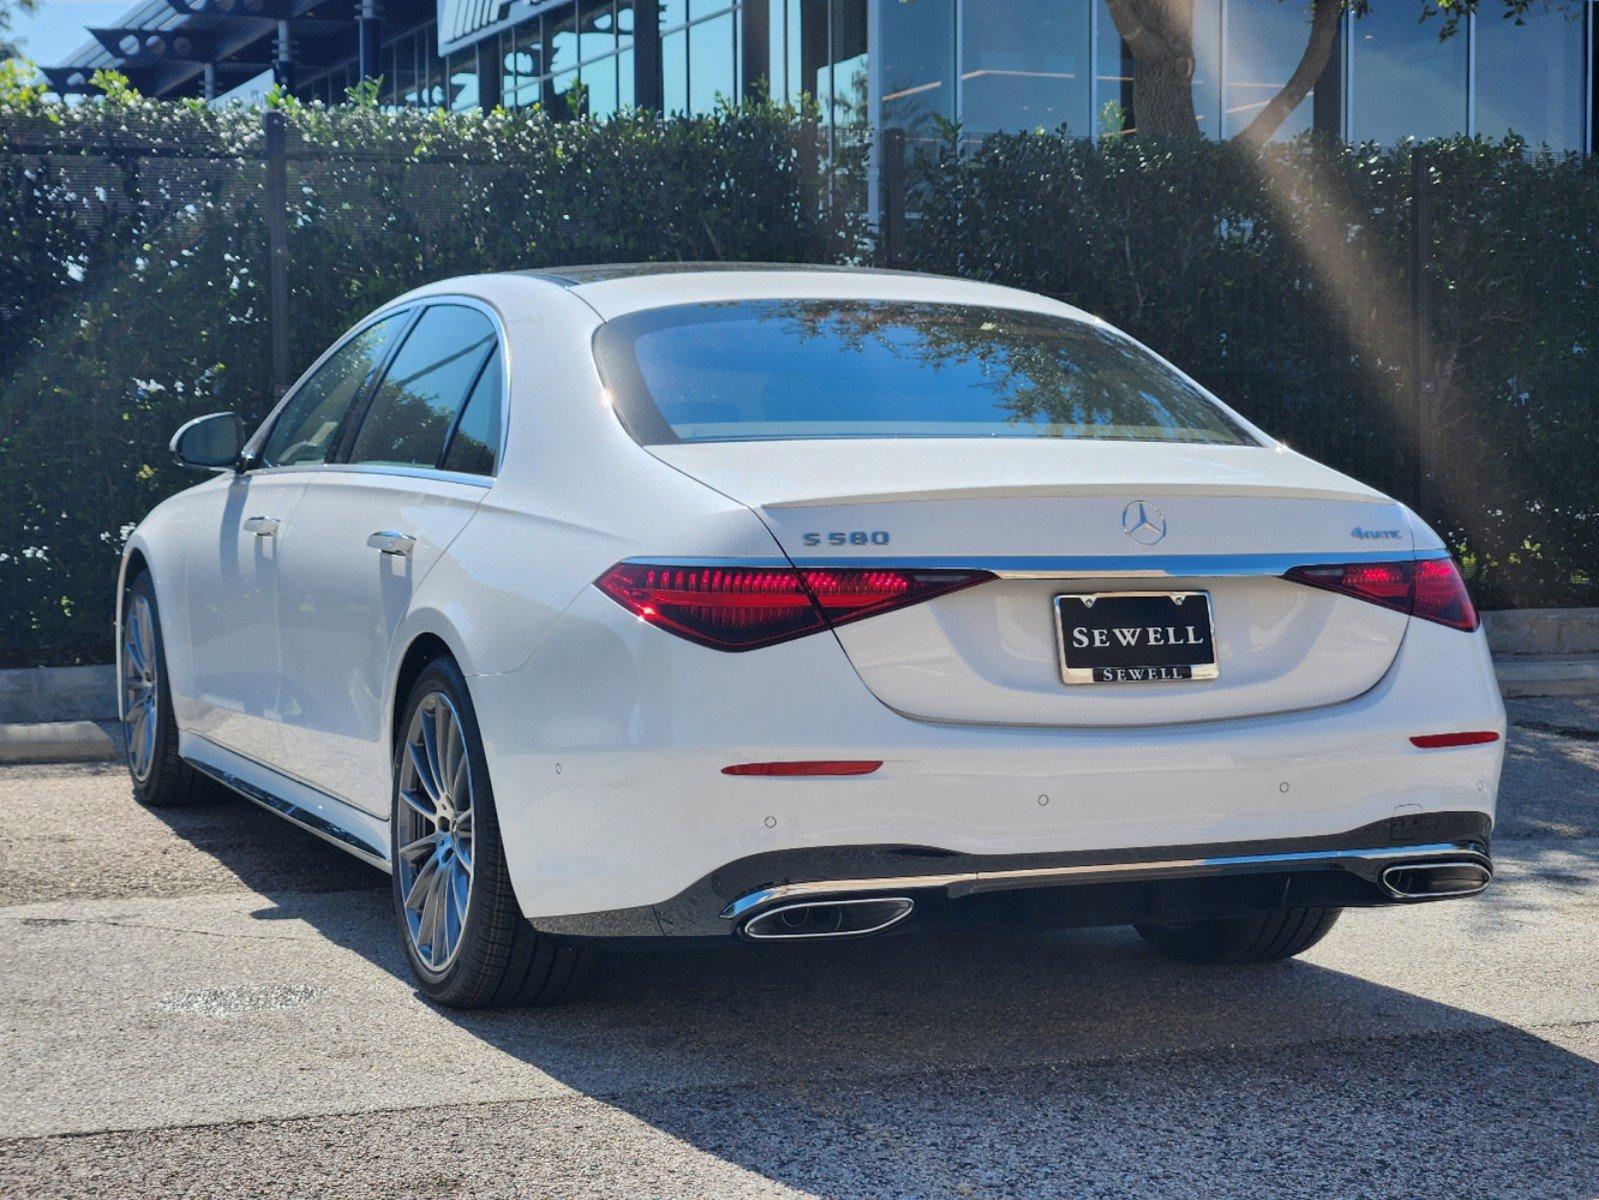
853,537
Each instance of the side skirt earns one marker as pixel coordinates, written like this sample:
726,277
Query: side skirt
345,826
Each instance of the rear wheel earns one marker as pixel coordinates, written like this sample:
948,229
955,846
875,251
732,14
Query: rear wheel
150,732
1264,937
467,941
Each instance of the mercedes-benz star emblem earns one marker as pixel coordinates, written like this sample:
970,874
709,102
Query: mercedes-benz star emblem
1143,522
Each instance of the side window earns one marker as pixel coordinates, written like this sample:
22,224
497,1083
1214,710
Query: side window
476,441
306,429
425,387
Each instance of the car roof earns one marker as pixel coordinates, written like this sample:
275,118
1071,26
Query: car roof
614,289
585,273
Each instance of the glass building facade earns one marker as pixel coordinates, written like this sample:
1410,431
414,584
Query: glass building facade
920,65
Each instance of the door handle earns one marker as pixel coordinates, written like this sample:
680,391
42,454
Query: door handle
261,526
389,542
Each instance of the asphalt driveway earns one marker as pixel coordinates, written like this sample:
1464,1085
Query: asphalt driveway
210,1003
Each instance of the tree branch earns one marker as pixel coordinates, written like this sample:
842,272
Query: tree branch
1323,34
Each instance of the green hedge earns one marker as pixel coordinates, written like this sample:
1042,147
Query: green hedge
1282,280
132,292
133,286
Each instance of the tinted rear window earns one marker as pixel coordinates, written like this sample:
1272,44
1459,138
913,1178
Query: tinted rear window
773,369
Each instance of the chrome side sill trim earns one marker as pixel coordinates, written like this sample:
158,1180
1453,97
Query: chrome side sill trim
1366,863
345,839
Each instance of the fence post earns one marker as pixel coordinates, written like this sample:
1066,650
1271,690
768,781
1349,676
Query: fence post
277,231
1421,319
891,177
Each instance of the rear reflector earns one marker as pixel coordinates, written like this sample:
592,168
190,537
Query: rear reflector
846,766
1439,741
1429,588
742,608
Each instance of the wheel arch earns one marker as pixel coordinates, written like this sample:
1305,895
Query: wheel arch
421,647
134,561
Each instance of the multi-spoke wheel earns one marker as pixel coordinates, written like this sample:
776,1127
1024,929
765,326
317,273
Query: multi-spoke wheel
435,831
160,777
465,935
141,700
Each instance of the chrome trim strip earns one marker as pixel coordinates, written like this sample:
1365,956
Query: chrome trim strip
965,882
344,839
1074,566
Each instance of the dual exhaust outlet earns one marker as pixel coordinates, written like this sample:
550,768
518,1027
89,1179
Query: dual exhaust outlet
828,918
1418,879
1436,879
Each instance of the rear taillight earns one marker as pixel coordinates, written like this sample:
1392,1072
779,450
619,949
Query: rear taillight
1430,588
742,608
1441,595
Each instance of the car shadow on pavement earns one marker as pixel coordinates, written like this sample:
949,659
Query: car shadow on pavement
1013,1061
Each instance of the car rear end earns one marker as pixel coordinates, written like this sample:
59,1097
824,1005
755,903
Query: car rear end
1041,623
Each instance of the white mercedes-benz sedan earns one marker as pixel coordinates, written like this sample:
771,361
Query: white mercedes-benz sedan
789,603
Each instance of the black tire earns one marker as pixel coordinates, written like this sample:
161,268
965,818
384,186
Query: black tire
167,781
501,960
1266,937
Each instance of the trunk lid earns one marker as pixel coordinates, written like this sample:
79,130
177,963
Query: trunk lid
1047,516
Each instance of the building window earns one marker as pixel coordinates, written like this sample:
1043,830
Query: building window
1403,81
1544,105
699,54
917,52
784,21
848,63
1265,40
1025,66
1209,16
1113,75
461,74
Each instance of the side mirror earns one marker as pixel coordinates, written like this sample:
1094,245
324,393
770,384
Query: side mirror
209,443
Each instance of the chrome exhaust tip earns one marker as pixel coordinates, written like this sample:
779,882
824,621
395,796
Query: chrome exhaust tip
828,919
1436,880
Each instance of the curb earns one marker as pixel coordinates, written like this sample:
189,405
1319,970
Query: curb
1528,675
59,742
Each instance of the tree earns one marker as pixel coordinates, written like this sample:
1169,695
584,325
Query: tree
1160,36
8,10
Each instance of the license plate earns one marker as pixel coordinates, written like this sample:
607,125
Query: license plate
1135,637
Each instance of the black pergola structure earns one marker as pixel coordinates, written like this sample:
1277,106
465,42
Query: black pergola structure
205,48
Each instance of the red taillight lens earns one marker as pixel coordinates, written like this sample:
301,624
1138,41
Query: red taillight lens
1430,588
1441,595
1443,741
832,766
742,608
1387,584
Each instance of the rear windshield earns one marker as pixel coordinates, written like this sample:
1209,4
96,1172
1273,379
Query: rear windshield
766,370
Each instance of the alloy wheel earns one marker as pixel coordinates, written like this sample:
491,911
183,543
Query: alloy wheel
434,835
140,693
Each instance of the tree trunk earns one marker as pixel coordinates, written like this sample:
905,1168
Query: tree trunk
1163,97
1160,36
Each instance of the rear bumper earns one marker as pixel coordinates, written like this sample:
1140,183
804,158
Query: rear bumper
1365,867
606,752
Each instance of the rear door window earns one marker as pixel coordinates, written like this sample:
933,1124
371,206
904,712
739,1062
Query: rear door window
425,388
475,444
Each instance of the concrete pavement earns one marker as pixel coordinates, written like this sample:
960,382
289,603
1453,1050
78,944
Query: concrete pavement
208,1002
